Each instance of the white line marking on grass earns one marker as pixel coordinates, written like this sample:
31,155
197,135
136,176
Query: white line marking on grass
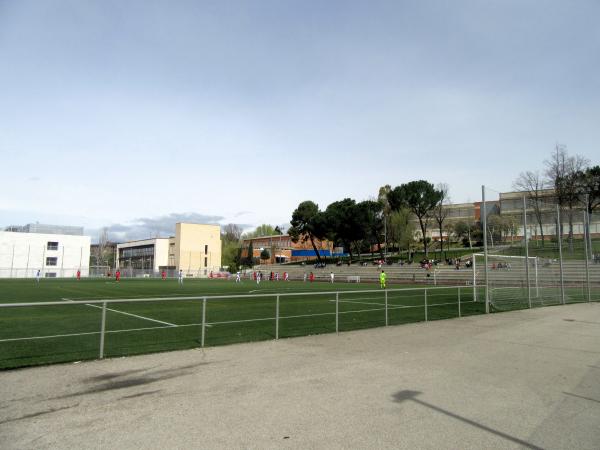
128,314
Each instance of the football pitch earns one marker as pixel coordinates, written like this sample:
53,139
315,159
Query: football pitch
150,315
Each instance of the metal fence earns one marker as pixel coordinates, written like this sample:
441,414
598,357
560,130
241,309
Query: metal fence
263,319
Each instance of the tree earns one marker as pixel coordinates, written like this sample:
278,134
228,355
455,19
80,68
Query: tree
563,172
308,224
231,232
345,223
371,221
261,230
265,254
231,246
102,252
420,197
382,197
250,256
401,229
532,184
589,181
440,211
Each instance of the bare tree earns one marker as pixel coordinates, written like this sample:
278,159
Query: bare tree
563,172
532,184
440,212
100,249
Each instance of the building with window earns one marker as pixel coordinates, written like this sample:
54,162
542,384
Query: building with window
54,250
195,249
282,249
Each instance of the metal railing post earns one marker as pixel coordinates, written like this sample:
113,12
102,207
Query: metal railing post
459,314
586,231
203,321
386,307
560,258
425,305
483,214
102,330
337,311
277,318
526,242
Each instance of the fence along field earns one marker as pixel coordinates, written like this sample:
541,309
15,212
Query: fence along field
88,319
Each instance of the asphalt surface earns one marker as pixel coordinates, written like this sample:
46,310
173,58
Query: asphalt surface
528,379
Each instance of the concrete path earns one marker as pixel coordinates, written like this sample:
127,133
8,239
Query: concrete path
528,379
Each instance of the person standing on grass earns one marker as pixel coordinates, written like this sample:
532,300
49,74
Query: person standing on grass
332,276
163,275
304,277
180,277
118,276
382,278
258,276
237,277
37,276
311,277
78,274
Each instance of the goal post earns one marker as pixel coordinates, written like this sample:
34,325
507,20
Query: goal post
513,282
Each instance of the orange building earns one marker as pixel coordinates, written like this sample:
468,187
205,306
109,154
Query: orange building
282,249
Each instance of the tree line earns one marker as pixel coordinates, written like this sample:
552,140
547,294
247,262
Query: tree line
400,217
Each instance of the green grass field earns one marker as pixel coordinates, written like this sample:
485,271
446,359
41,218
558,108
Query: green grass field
71,332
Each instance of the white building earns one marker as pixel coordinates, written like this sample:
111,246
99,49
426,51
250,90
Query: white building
55,252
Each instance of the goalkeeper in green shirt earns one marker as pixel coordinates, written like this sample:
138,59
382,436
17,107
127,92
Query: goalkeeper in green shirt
382,277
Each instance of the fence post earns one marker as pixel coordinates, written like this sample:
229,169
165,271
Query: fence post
459,314
474,267
277,318
337,311
586,230
203,321
483,214
386,307
425,305
526,243
560,258
102,330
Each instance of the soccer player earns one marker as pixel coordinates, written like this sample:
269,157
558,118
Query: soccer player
163,275
37,276
332,276
382,278
118,275
311,278
258,277
285,276
305,277
180,277
237,277
78,274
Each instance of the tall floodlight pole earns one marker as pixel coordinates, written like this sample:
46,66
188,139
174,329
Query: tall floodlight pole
526,250
483,214
586,232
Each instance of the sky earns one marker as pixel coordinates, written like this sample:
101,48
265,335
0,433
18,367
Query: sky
135,115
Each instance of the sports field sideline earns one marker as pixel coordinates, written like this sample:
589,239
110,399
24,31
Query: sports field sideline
240,312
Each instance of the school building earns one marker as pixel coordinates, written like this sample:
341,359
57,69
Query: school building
195,249
53,250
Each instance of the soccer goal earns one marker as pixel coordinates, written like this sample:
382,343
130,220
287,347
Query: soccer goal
99,271
512,281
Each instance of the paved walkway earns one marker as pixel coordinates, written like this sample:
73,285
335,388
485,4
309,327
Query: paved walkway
527,379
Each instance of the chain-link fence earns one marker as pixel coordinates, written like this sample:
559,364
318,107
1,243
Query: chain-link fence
538,250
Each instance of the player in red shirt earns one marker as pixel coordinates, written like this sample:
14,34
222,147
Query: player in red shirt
163,275
311,278
79,274
118,275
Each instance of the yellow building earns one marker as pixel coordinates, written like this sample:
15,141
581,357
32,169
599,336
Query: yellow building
195,249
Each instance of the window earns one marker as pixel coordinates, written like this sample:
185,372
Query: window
205,261
206,249
51,260
52,246
50,275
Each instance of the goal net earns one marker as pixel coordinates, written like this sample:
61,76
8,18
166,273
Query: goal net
99,271
513,282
